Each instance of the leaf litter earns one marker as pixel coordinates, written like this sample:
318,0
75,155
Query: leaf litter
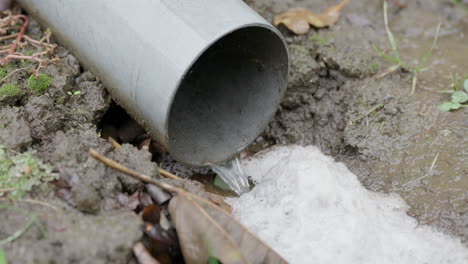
298,20
205,228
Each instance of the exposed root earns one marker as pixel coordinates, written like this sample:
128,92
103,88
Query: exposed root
8,30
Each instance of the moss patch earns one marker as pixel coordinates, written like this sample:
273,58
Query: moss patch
9,90
39,84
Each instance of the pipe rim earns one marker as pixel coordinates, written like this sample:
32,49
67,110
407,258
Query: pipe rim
280,37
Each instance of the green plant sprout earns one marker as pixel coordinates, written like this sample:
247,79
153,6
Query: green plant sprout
72,93
20,173
459,4
212,260
396,58
3,258
9,90
458,97
38,84
456,83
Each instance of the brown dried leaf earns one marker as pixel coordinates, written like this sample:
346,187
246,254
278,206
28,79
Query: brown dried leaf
299,20
206,230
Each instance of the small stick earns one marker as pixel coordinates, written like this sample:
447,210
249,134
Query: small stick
45,204
7,190
164,173
169,175
144,178
366,114
114,143
40,203
135,174
428,172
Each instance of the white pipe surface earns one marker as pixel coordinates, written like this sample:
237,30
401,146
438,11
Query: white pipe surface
204,77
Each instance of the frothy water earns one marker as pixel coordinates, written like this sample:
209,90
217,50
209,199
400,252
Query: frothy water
233,175
312,209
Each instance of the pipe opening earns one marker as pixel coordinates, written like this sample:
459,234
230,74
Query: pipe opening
228,96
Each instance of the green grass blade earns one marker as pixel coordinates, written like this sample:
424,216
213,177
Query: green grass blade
17,234
429,52
3,258
391,38
389,58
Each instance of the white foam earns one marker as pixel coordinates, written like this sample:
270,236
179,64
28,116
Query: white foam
312,209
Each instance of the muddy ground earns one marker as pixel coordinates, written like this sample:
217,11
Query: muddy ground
387,137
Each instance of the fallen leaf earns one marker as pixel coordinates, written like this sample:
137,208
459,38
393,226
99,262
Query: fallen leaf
205,231
142,254
159,236
299,20
152,214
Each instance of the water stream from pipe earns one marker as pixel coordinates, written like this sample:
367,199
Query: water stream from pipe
233,175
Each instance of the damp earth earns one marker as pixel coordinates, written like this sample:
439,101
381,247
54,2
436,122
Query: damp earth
392,141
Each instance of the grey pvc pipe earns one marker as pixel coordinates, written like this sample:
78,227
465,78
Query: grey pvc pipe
204,77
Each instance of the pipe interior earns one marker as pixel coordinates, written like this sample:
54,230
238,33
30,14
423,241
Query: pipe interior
228,96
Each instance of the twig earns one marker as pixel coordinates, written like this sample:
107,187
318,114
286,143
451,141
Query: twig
40,203
114,143
386,72
367,113
147,179
32,202
428,172
164,173
135,174
169,175
7,190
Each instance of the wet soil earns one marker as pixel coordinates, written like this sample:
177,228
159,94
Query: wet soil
85,223
393,141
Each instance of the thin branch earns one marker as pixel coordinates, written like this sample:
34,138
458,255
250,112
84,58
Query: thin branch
114,143
135,174
169,175
147,179
428,172
164,173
